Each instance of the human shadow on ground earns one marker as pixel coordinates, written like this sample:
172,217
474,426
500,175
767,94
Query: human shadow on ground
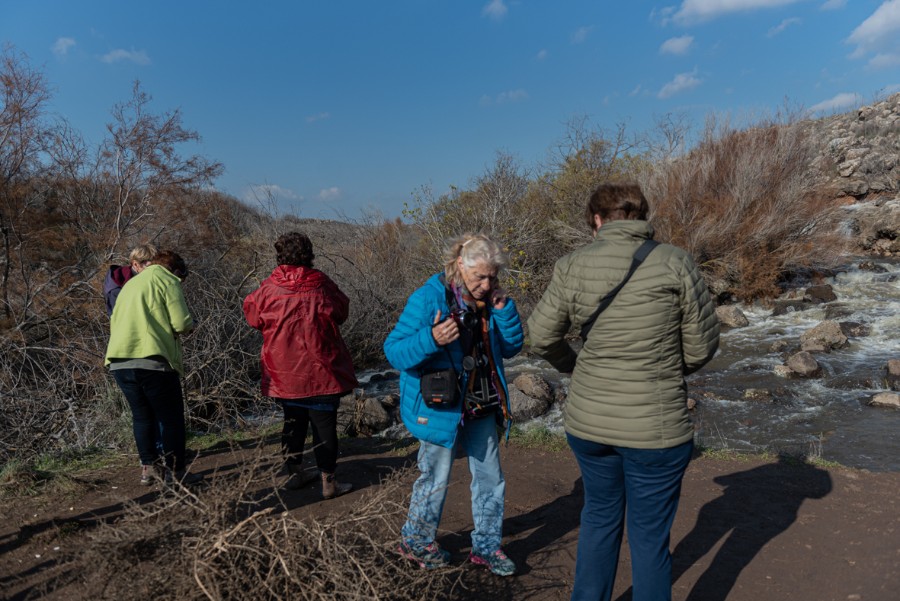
546,526
755,507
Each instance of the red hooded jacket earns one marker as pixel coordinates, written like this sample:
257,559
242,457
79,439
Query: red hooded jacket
298,310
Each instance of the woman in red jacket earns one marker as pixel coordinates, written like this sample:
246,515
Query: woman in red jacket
306,366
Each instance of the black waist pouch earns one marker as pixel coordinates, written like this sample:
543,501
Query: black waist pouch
440,388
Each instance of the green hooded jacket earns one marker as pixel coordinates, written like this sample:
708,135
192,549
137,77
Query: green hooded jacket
628,385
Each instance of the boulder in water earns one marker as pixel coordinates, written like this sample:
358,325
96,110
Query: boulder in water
731,316
534,386
526,407
820,294
783,371
783,307
824,337
854,329
886,399
804,365
893,374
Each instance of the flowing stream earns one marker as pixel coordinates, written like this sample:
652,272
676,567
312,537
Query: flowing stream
826,417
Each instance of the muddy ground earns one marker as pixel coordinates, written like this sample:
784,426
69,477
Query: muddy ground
747,529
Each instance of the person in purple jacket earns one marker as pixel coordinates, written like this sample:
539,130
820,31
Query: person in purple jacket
117,275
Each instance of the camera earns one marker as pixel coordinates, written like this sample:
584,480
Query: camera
465,318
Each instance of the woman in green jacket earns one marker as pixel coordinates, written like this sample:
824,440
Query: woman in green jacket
144,356
626,416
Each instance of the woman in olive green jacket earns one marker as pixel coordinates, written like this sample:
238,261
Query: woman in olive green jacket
626,416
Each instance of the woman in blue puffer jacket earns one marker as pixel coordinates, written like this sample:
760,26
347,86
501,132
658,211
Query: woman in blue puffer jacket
459,319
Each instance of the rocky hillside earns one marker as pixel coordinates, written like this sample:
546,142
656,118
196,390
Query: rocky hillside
861,160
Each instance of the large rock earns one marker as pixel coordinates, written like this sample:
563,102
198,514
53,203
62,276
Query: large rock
526,407
854,329
886,399
534,386
783,307
823,337
878,227
893,374
804,365
373,416
731,316
823,293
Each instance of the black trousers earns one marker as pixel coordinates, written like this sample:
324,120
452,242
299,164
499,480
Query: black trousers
324,432
157,412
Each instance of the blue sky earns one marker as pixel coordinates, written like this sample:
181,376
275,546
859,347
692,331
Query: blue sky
340,106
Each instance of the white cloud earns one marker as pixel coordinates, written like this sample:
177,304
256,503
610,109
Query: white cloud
318,117
681,83
884,61
637,90
581,34
136,56
879,35
834,5
542,54
678,45
495,9
508,97
782,26
841,101
62,45
695,11
263,192
328,194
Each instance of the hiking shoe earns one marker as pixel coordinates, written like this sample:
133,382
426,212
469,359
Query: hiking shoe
497,562
147,473
429,557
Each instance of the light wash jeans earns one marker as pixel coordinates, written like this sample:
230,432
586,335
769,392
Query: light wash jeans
479,439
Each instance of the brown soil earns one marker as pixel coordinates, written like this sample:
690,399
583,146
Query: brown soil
746,529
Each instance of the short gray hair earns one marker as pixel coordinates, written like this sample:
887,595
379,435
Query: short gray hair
473,248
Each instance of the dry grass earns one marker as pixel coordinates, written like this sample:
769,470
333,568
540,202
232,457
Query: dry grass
235,540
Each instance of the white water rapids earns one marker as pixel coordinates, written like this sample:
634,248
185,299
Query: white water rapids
827,417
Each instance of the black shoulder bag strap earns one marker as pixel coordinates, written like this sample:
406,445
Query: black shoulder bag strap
642,252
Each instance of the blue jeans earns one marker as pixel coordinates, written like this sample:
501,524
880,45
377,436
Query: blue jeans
648,481
157,412
480,440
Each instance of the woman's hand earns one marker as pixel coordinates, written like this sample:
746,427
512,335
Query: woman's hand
444,332
498,298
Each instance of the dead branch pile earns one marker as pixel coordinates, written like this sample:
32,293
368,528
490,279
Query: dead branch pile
235,540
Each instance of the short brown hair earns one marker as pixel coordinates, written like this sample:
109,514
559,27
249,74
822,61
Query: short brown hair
617,201
294,248
173,262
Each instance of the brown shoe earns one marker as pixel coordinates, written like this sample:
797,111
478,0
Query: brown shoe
331,488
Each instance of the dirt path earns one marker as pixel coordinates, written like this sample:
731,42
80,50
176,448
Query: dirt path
745,531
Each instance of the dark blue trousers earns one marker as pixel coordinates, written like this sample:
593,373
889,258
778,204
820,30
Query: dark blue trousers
648,483
157,412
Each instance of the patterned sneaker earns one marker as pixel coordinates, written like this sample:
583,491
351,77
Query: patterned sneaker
428,557
147,473
497,562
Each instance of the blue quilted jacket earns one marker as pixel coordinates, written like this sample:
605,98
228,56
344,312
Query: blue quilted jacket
410,348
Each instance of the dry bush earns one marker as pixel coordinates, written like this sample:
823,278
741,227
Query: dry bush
746,204
233,540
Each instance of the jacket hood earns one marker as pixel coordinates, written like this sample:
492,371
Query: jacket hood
119,274
297,278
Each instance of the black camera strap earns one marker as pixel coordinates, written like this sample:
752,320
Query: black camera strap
642,252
